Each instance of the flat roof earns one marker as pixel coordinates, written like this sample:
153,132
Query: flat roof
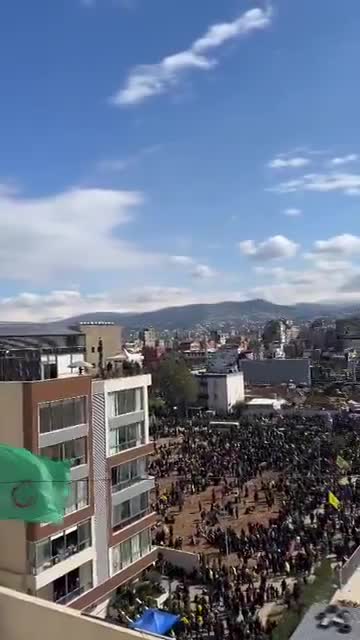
350,592
265,400
308,628
9,329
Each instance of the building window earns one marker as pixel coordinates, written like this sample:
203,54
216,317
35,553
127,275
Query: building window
79,496
92,349
127,437
62,414
130,551
129,511
126,401
74,450
47,553
127,474
73,584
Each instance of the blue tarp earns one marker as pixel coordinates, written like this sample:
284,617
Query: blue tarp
155,621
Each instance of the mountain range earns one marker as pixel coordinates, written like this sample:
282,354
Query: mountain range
237,313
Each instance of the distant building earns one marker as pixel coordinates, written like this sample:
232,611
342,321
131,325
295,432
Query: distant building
102,341
275,337
220,392
273,371
39,352
264,406
148,337
348,334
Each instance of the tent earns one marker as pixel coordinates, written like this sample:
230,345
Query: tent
155,621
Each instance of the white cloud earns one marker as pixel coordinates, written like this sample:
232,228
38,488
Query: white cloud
292,212
348,183
197,270
320,283
182,260
149,80
273,248
71,232
203,271
271,272
117,165
284,162
338,246
56,305
341,160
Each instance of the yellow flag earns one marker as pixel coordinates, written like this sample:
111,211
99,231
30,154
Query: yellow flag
342,464
333,500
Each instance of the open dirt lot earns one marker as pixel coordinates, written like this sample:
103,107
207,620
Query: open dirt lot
189,517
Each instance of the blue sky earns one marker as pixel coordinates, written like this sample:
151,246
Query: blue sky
158,152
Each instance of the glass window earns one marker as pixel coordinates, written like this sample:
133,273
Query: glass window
122,402
127,437
46,553
145,542
130,551
130,510
116,561
79,496
62,414
135,548
74,450
144,501
125,553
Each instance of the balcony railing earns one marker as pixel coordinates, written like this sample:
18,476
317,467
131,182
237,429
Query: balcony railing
64,554
120,486
68,597
130,444
134,518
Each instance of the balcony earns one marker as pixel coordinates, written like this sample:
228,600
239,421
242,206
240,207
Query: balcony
135,488
134,518
73,584
61,556
50,552
72,595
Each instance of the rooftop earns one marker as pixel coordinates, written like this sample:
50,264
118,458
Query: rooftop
23,616
309,628
8,329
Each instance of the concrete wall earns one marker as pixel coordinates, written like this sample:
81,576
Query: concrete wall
350,567
111,338
276,371
182,559
217,393
23,616
224,390
11,432
235,389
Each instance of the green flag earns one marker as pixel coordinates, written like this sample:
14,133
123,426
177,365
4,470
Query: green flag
32,488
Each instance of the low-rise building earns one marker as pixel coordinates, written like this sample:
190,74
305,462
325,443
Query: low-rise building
220,392
276,371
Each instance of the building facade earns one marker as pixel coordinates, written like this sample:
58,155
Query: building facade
103,340
276,371
220,392
104,540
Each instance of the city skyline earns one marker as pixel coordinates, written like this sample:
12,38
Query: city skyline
158,154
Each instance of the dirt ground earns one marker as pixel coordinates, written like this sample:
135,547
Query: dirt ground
189,517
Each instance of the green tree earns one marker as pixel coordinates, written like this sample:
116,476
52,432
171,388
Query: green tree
175,383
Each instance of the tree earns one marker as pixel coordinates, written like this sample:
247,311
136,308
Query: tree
175,383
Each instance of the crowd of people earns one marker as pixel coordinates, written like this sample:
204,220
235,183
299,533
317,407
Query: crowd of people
293,461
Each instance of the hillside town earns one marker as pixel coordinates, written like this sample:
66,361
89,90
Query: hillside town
214,477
